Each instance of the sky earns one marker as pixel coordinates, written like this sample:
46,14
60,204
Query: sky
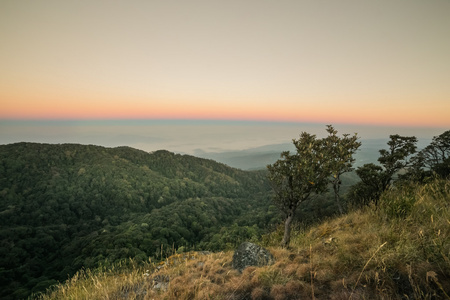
384,62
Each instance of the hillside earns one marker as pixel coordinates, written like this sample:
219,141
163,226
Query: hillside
68,206
400,250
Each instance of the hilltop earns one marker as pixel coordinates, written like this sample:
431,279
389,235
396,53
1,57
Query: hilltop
398,251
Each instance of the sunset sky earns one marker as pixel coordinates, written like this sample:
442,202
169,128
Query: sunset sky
384,62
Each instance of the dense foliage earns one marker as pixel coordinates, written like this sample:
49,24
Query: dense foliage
66,207
398,166
377,178
433,159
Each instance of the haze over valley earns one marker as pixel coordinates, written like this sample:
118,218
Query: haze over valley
244,145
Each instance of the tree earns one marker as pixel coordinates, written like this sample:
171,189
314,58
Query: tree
396,157
374,178
340,153
436,156
371,184
295,177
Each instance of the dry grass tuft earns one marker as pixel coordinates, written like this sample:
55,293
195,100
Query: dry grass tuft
259,293
278,292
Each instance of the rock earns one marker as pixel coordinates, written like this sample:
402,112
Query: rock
161,282
249,254
331,241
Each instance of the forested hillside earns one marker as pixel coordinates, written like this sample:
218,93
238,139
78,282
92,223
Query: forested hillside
65,207
400,250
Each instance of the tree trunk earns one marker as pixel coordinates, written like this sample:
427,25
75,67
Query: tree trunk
287,228
336,196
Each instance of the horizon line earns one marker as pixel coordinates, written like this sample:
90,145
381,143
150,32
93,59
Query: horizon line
217,120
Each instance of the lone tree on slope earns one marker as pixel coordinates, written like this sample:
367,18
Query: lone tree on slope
295,177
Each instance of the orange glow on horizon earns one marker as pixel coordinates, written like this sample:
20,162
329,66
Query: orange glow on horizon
51,108
36,104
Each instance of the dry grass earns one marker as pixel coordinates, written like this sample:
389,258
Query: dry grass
399,251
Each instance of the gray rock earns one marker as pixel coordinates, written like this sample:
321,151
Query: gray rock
249,254
161,282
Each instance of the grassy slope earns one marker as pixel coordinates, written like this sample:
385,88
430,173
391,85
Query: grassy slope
401,250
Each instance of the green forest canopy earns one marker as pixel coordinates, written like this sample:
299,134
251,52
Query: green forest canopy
64,207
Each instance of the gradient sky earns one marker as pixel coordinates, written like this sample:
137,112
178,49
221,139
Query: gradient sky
362,61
